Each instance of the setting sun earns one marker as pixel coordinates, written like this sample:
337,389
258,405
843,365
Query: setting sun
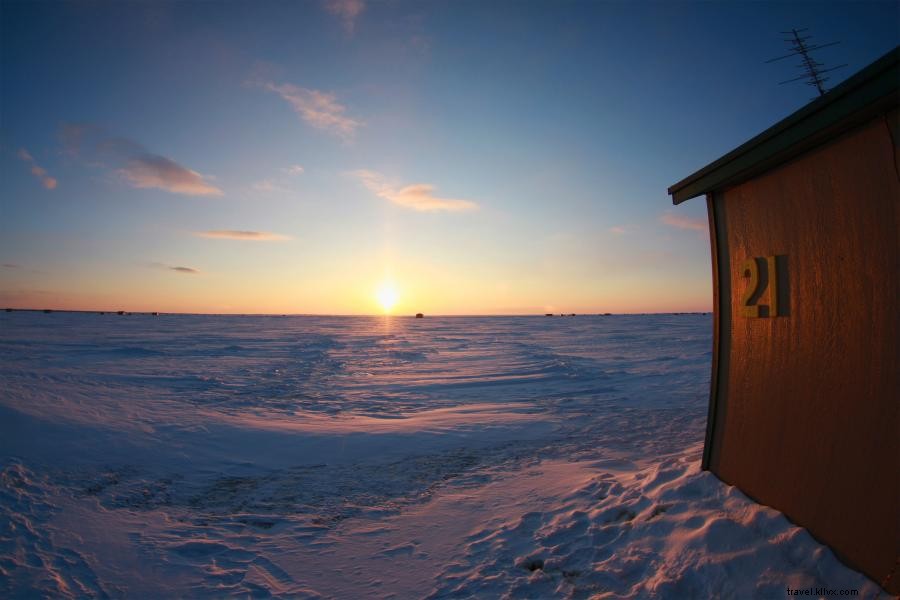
387,295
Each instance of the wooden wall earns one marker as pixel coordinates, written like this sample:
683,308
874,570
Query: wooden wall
806,403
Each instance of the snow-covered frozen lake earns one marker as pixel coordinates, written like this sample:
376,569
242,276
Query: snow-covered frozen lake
369,457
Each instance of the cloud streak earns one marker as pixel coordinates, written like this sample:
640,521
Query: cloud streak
137,166
39,172
175,268
418,196
683,222
347,11
237,234
319,109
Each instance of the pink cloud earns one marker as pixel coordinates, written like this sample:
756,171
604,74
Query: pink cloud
154,171
38,171
236,234
684,222
137,166
319,109
347,11
418,196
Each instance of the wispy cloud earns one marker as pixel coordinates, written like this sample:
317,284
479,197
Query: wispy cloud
267,185
136,165
11,266
418,196
618,230
73,137
236,234
278,184
347,11
38,171
684,222
319,109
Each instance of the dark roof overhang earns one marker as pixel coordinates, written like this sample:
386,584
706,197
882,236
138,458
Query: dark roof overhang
869,92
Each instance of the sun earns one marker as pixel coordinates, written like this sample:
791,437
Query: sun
387,295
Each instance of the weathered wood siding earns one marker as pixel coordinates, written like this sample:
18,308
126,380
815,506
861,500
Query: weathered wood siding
806,404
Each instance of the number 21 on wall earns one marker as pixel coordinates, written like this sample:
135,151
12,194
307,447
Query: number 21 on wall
758,285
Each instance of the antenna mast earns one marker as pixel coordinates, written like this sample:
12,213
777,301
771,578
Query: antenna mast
812,69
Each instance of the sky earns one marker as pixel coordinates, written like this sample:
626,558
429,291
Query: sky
339,156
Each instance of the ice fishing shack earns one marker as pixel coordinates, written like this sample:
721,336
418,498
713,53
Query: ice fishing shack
805,387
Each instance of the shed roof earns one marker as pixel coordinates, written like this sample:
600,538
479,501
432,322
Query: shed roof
854,101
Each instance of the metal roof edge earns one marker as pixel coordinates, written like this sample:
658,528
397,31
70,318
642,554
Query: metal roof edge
872,86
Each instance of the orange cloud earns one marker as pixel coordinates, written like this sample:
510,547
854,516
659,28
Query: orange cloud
38,171
418,196
319,109
236,234
683,222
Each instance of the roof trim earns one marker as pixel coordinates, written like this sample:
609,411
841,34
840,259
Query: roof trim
854,101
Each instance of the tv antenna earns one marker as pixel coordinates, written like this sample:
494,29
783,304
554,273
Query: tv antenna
812,69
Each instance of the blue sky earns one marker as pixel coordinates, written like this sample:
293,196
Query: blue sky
478,158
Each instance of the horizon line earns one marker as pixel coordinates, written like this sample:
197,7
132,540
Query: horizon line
405,315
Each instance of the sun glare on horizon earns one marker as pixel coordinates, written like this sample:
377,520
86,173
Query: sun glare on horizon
387,295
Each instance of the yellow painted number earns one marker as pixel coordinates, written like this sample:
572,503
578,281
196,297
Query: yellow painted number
751,270
749,306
